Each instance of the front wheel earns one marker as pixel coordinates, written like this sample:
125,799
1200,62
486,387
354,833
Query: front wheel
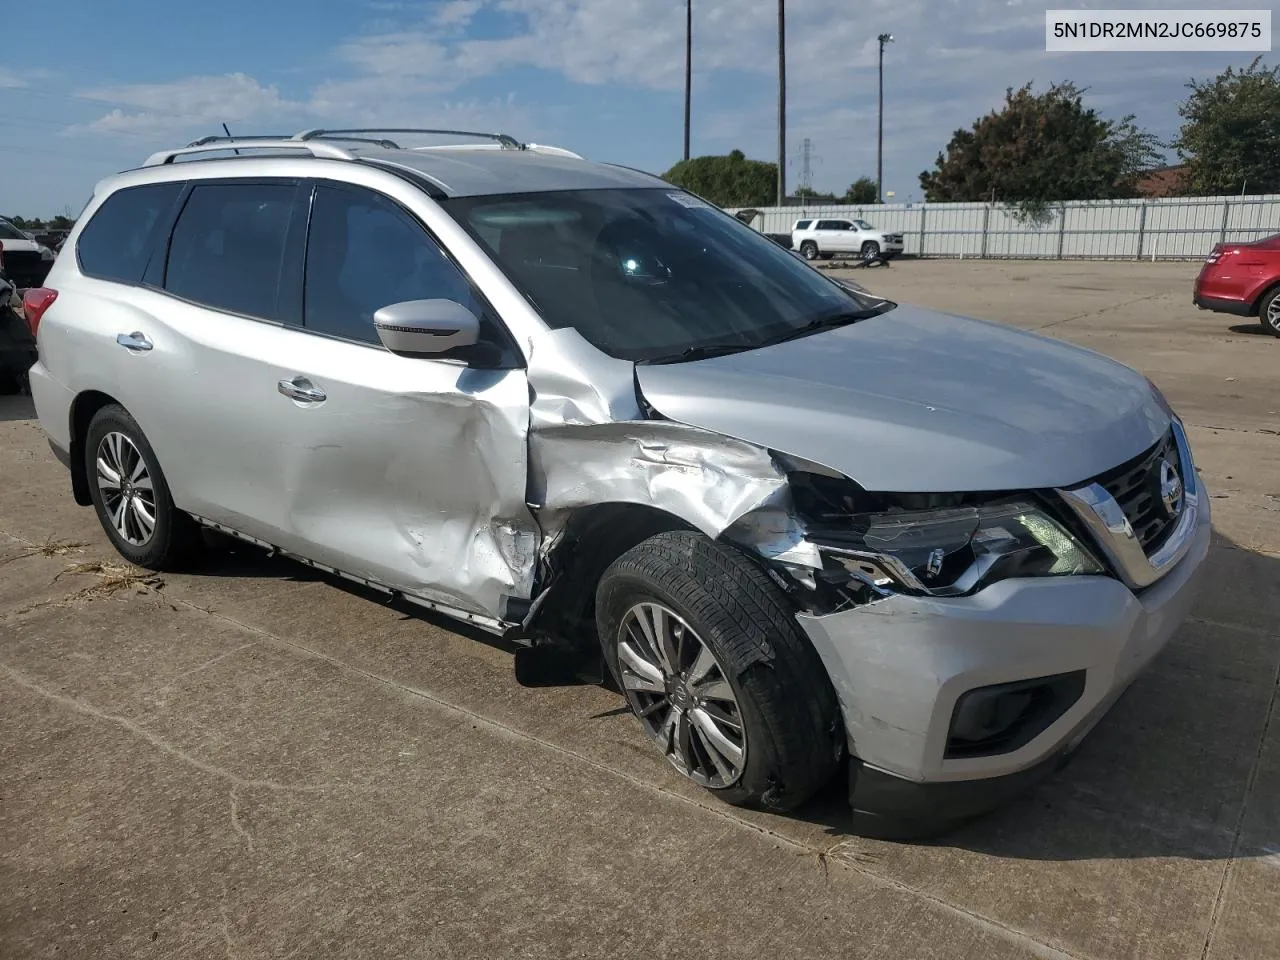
870,250
1269,312
717,670
809,250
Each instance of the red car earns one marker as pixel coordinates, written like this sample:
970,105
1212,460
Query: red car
1244,279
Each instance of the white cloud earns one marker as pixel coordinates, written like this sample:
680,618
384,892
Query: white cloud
10,80
147,108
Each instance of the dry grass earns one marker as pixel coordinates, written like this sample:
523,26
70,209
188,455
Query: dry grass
112,578
50,548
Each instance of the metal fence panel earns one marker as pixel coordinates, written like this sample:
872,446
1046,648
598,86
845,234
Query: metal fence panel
1175,228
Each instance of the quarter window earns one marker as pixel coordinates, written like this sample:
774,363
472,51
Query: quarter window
364,253
116,242
228,247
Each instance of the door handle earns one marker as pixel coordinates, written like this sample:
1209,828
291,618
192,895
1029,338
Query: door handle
302,390
136,341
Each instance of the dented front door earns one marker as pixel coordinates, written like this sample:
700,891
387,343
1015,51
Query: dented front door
409,472
403,470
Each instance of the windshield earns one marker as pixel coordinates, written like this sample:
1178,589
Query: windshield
9,232
863,225
647,274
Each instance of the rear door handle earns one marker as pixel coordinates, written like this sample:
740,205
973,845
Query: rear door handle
136,341
302,390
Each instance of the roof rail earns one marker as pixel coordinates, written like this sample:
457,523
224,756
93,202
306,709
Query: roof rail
505,140
212,144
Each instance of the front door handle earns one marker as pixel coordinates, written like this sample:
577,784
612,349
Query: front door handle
302,390
136,341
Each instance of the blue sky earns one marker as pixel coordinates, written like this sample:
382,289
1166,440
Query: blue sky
109,82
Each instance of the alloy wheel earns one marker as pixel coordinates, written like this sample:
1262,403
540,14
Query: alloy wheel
681,694
128,495
1273,314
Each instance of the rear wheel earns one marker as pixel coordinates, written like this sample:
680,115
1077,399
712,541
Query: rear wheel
809,250
130,494
717,670
1269,312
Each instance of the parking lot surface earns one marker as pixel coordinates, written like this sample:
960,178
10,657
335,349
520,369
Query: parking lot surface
254,761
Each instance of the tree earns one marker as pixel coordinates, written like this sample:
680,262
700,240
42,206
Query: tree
808,193
1039,149
61,222
1231,135
727,181
863,191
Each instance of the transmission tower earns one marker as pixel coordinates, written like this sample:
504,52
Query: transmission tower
806,167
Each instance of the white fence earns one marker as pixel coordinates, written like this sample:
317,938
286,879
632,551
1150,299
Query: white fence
1181,228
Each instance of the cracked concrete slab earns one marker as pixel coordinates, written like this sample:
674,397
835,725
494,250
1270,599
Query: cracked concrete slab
251,760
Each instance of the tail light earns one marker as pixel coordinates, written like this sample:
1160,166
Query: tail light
34,303
1215,254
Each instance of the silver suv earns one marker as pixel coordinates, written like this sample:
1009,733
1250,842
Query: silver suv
806,530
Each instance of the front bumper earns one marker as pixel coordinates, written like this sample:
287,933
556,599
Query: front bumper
900,665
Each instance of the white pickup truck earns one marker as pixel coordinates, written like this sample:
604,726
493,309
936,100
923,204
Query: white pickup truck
825,238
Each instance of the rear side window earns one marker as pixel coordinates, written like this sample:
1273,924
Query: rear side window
116,243
364,253
228,247
803,224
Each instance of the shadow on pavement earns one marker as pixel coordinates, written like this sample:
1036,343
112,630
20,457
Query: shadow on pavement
16,407
1250,329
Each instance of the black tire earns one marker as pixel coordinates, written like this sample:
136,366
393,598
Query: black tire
870,250
793,733
175,538
809,250
1269,312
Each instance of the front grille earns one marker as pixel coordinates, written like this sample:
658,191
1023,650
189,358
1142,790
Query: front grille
1136,488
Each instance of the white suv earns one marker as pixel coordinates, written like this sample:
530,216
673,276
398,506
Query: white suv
804,530
826,238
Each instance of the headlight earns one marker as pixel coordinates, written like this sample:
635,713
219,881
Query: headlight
953,552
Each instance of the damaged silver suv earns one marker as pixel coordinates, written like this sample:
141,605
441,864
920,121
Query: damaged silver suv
807,530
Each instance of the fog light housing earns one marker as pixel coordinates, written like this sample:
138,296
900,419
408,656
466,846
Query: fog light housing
1004,717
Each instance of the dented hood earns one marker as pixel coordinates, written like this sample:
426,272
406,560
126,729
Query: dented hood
918,401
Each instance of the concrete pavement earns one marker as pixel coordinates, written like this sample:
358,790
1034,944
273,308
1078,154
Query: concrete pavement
252,761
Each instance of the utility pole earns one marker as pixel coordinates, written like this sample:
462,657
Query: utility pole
782,102
806,170
883,38
688,69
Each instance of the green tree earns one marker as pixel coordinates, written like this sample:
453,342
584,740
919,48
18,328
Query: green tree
61,222
863,190
1230,136
808,193
1039,149
727,181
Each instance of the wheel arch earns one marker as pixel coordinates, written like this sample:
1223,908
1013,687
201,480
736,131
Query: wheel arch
590,540
83,407
1255,306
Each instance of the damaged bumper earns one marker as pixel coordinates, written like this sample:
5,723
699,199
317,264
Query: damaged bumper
952,705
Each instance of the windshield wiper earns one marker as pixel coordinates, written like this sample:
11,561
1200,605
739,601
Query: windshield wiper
700,352
829,322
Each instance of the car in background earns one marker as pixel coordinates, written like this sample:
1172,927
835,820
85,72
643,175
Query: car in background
1242,279
826,238
26,261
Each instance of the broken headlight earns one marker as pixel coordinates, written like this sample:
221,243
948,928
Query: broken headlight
956,551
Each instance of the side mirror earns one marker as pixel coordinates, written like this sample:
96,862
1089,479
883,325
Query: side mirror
418,328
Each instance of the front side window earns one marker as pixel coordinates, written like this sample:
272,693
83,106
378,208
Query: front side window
652,274
365,253
117,241
228,247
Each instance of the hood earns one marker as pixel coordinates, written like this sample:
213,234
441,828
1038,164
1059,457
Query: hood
914,401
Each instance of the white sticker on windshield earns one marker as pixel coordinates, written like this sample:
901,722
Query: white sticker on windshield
685,200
